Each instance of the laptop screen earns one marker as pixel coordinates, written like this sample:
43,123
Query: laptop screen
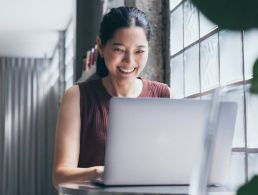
154,141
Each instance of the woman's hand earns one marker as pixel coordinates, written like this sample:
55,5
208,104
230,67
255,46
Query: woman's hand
99,170
66,174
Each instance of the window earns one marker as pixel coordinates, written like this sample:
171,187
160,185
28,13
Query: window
69,55
204,57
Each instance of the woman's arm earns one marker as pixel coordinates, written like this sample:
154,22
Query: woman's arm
67,144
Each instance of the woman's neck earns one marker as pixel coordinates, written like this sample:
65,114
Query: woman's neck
128,88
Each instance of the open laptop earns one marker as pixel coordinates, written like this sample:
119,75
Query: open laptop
154,141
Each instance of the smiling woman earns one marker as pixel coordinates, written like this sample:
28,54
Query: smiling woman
81,133
125,56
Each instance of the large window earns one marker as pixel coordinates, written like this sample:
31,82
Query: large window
69,55
204,57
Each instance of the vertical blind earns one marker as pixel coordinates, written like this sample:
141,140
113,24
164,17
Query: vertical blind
29,104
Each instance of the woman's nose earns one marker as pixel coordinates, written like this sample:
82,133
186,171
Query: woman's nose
128,57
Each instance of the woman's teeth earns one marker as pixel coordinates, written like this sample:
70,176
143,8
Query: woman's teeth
126,70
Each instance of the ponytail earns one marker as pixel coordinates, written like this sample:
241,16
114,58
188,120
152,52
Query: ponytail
102,70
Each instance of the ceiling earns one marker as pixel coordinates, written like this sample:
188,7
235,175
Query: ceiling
29,28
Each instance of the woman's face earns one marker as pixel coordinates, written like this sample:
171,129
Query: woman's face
126,53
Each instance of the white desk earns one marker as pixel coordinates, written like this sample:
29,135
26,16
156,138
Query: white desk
89,189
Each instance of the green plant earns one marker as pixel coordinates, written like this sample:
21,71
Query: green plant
251,188
254,86
233,15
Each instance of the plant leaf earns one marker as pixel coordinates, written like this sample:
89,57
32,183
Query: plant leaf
254,83
230,14
250,188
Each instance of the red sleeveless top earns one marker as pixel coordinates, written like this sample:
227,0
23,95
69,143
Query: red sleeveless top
94,105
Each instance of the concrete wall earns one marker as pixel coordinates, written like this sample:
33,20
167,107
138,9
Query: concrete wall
88,18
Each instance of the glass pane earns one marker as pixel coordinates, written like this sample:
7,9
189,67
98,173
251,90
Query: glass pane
237,95
250,51
191,24
69,34
69,83
70,62
231,69
68,71
54,68
176,30
191,61
69,53
252,119
177,76
173,3
252,165
237,171
209,63
55,62
206,25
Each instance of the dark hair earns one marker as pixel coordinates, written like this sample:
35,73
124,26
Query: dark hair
118,18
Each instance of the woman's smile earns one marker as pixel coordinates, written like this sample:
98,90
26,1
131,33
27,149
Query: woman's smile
125,70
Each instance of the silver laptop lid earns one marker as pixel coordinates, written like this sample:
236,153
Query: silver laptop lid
154,141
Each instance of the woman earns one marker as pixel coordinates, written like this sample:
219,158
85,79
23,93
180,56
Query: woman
81,130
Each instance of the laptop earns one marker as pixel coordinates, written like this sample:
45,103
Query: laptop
154,141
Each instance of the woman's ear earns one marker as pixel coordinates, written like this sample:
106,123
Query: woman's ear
99,46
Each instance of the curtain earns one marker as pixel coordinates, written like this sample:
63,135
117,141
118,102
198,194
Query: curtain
29,102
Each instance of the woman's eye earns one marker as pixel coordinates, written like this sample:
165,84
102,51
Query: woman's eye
139,51
118,50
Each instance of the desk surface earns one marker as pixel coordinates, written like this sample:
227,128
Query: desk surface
87,188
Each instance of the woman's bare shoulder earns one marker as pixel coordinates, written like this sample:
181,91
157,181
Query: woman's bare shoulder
69,114
72,93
